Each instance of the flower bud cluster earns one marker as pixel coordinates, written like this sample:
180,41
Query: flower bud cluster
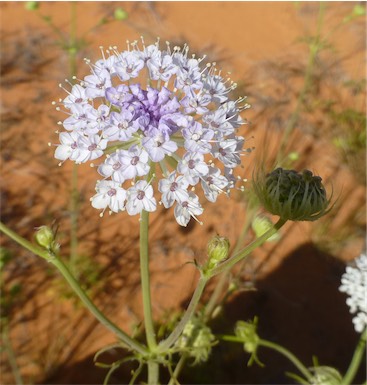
151,113
197,340
295,196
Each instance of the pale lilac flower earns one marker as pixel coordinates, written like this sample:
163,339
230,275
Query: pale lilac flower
354,284
128,65
140,197
76,96
213,184
173,189
188,208
134,162
146,109
109,194
90,147
69,147
192,166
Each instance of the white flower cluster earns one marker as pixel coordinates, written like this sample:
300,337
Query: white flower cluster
354,284
154,114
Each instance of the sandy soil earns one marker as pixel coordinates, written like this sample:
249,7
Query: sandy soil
53,338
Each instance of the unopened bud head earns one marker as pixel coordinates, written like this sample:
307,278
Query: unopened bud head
295,196
45,237
218,248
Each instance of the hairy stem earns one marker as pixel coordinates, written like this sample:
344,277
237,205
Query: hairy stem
145,280
172,338
65,272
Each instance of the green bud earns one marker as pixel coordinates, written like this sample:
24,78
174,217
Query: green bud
120,14
326,375
292,195
45,237
31,5
261,225
218,248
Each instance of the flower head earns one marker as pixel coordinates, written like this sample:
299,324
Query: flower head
354,284
150,113
295,196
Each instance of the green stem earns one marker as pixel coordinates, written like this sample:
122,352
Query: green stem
286,353
153,373
178,369
356,360
74,203
229,263
213,300
65,272
172,338
11,356
145,280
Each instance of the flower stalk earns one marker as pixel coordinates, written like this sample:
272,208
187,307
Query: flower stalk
65,272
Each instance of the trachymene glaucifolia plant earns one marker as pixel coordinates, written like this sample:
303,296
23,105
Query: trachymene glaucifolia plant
159,123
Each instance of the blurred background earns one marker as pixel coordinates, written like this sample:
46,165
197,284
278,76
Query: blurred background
302,68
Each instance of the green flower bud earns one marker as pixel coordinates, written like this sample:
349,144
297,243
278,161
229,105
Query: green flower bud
196,340
218,248
120,14
31,5
325,375
261,225
292,195
45,237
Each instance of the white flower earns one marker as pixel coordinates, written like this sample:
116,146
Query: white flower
354,284
173,189
109,194
186,209
140,197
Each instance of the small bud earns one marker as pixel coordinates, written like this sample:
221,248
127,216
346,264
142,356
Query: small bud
261,225
218,248
120,14
292,195
326,375
31,5
45,237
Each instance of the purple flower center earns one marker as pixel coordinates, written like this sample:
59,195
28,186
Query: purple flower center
134,160
111,192
222,152
185,204
209,179
116,166
74,146
191,164
141,195
174,186
92,147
